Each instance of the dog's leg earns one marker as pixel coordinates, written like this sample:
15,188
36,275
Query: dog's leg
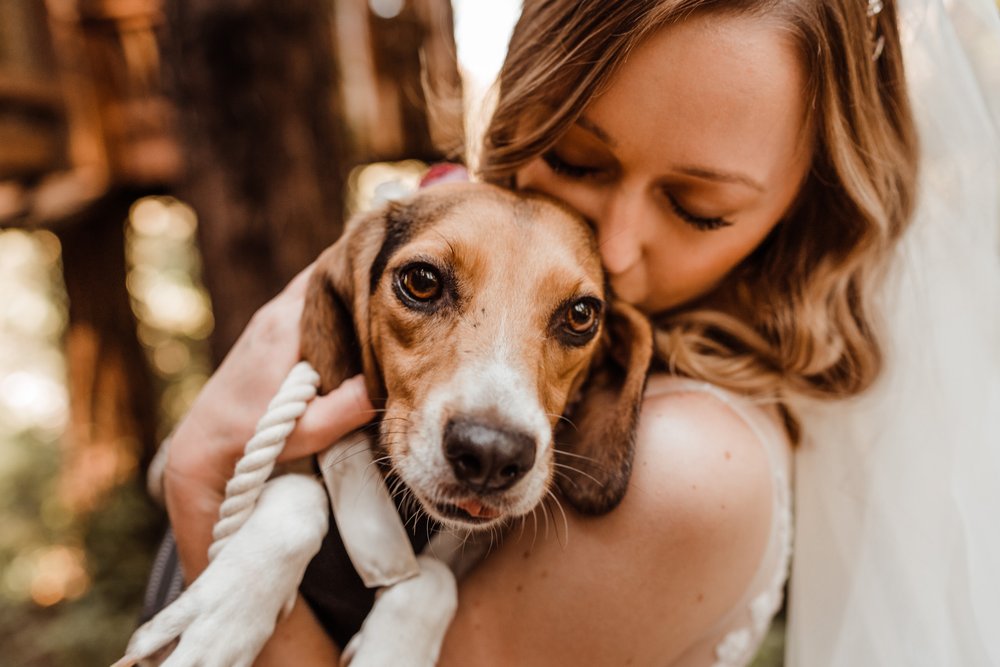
229,612
407,625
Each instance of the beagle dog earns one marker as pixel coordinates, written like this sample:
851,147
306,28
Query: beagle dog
504,370
483,325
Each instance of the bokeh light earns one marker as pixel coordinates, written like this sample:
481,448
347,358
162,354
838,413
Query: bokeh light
173,309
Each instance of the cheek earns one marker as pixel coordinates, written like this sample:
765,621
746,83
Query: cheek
690,268
561,372
412,351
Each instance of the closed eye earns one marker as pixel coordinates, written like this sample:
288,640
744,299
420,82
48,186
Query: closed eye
566,169
562,167
698,222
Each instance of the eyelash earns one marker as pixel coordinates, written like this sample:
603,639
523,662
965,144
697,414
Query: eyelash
696,221
562,168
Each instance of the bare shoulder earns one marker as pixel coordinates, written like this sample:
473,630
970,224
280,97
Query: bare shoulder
697,456
645,582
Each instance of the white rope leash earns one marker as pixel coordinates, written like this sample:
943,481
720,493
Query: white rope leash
262,451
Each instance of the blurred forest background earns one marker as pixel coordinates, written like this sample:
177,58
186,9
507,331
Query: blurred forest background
165,167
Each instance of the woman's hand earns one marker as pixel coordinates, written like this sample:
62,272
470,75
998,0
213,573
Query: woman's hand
210,439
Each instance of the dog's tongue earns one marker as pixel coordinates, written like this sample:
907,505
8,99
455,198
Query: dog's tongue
477,509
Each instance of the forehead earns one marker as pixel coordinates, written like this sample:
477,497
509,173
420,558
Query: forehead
713,88
487,230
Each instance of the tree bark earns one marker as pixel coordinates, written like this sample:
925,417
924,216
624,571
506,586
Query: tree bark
112,408
406,91
257,93
266,138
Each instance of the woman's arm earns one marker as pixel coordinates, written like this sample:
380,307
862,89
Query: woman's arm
210,439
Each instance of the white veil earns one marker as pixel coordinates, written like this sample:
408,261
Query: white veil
897,551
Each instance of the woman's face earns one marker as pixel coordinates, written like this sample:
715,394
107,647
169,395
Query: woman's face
687,161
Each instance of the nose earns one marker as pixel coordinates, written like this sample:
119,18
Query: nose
618,230
487,458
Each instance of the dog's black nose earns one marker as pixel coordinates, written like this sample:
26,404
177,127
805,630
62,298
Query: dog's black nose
487,458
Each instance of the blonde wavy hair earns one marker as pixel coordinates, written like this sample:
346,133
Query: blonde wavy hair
798,314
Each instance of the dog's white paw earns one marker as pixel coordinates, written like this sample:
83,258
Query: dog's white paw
224,619
407,625
229,612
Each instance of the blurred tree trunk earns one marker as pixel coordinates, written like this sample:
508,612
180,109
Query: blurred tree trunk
269,137
418,88
75,79
112,408
262,134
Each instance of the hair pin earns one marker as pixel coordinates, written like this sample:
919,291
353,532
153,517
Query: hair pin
875,8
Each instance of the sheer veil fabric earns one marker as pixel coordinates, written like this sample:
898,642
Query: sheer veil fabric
897,548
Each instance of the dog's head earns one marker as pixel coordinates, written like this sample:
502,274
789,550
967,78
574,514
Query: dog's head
482,319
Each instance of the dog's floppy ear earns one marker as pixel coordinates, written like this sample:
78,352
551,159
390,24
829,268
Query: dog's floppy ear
328,338
334,329
595,450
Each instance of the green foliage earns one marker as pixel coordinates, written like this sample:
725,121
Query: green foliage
116,541
71,577
772,651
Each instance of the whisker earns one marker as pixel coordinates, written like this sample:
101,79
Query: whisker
559,506
534,518
393,488
578,471
414,513
563,418
568,479
563,452
377,463
494,542
547,513
349,451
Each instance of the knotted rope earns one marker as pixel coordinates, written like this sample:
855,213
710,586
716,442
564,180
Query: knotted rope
262,451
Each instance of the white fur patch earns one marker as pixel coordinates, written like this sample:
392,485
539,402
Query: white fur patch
496,389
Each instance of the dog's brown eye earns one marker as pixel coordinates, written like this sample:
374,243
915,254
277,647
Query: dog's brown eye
576,322
421,282
581,317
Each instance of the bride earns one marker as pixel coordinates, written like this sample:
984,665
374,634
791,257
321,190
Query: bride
751,171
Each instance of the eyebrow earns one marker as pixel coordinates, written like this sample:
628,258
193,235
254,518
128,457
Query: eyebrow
695,171
596,130
720,176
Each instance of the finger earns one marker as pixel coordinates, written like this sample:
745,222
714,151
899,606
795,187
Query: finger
298,284
329,418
